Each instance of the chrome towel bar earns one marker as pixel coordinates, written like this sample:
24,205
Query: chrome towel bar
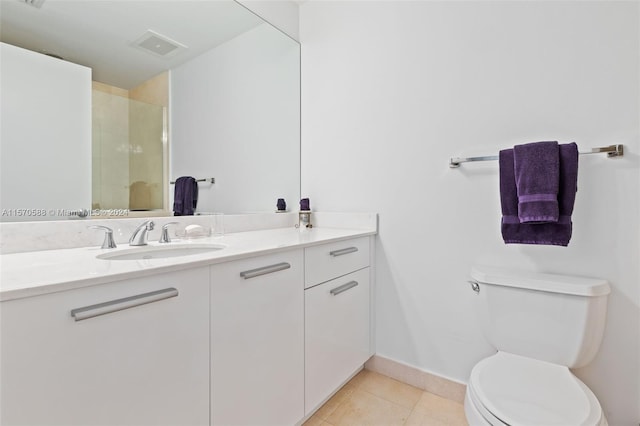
210,180
611,151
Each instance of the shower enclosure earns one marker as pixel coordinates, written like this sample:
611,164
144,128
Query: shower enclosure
129,146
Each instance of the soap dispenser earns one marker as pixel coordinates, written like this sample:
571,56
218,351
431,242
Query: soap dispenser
304,215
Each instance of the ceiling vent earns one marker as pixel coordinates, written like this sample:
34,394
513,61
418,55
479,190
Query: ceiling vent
34,3
158,45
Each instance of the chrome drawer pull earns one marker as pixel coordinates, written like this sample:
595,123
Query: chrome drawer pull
264,270
80,314
340,252
344,287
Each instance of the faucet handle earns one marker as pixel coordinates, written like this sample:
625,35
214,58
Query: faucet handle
108,242
164,236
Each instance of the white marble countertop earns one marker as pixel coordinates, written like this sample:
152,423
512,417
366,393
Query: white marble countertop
41,272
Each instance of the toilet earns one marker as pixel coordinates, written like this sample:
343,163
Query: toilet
541,325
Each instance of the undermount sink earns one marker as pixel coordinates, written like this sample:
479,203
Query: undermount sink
160,252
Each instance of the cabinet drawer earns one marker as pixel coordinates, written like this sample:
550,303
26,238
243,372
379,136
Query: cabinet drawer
336,334
328,261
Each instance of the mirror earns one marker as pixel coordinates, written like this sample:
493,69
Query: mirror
217,97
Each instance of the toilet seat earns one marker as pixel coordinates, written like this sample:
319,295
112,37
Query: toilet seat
509,389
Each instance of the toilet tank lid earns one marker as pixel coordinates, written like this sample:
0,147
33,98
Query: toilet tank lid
566,284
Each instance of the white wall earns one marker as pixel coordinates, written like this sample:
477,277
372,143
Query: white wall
235,116
391,90
45,139
282,14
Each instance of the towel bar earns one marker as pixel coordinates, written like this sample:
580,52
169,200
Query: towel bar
210,180
611,151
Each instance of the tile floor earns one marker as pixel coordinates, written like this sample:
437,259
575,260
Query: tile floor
373,399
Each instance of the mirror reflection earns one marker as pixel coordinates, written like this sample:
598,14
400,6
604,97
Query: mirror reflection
125,97
129,135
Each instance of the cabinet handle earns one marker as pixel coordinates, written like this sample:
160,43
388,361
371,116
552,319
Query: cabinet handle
86,312
344,287
340,252
264,270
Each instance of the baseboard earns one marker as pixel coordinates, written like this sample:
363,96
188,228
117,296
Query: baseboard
413,376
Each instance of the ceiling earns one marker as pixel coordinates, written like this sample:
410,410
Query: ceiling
100,33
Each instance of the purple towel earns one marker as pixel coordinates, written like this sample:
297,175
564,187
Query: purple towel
185,197
558,233
537,173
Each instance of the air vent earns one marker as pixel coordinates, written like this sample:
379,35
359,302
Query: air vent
158,45
34,3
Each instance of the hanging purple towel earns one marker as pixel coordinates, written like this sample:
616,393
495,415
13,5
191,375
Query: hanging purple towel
537,173
558,233
185,197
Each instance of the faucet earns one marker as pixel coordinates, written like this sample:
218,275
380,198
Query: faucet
139,237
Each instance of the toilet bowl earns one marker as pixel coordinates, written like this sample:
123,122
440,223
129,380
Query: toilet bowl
541,325
507,389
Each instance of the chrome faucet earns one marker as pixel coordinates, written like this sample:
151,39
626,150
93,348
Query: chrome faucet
139,237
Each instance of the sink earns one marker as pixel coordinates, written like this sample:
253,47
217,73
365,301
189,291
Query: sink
160,252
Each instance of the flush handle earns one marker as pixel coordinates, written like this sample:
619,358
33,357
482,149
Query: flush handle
475,286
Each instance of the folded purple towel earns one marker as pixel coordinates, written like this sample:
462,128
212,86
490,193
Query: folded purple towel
558,233
537,176
185,197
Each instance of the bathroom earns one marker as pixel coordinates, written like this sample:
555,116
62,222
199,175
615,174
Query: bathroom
390,90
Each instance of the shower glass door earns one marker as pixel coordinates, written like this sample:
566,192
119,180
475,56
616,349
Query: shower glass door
128,153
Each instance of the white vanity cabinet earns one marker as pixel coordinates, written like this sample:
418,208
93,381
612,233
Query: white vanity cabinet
257,340
337,316
254,338
143,359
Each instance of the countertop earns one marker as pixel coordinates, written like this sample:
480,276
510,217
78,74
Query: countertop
41,272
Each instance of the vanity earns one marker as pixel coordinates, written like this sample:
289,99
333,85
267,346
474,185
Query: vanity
258,327
262,330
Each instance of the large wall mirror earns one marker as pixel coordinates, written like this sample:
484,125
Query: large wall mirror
167,89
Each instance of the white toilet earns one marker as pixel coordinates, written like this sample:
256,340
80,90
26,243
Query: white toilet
541,325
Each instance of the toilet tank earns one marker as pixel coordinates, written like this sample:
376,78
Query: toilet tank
553,318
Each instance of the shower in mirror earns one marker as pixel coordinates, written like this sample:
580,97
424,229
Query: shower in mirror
204,89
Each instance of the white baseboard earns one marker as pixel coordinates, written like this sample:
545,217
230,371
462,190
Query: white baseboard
413,376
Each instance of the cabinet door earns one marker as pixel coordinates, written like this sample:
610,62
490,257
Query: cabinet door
257,341
146,364
336,334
